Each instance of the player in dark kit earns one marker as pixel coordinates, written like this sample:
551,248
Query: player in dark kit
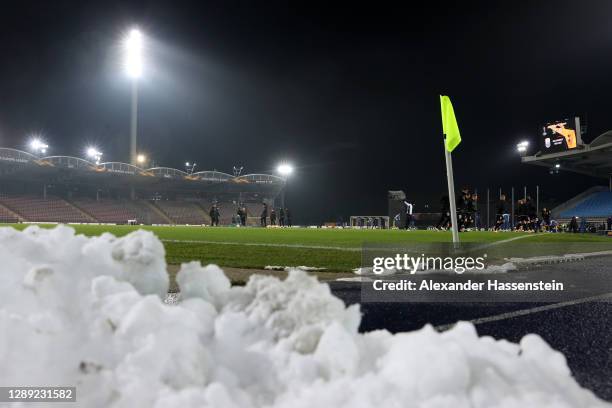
264,215
445,219
272,216
243,216
503,216
214,215
281,217
287,217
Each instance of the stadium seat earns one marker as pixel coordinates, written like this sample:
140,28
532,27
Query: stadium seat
7,216
50,209
596,205
183,212
105,210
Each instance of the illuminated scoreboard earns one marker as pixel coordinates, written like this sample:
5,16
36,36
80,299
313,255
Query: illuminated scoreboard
561,136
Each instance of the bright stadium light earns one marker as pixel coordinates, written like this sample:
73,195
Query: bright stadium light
190,167
94,154
284,169
133,54
141,158
133,47
38,146
522,147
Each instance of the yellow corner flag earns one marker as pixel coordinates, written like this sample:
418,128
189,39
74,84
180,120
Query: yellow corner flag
449,123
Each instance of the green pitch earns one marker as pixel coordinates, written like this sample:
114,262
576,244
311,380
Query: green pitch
332,249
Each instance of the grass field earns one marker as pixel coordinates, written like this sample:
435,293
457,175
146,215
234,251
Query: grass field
332,249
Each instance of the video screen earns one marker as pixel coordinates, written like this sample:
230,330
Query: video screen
559,136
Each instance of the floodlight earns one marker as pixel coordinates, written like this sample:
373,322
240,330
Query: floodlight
133,54
141,158
38,146
94,154
284,169
522,146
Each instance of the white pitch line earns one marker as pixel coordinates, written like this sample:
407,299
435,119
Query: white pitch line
263,244
525,312
503,241
336,248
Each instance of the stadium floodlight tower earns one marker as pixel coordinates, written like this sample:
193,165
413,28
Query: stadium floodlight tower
285,170
94,154
133,68
38,146
522,147
190,167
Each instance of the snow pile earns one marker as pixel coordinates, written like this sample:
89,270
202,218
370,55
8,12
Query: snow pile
289,268
89,312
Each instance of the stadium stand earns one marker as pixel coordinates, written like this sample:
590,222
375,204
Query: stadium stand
7,215
50,209
105,210
82,191
181,212
145,212
595,205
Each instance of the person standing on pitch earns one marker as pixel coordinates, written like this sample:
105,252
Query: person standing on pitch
445,219
503,220
239,214
272,216
214,215
264,215
408,208
281,217
288,217
243,216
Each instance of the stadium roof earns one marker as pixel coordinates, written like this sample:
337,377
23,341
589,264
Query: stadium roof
594,159
19,165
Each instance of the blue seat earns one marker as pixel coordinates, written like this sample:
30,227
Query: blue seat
596,205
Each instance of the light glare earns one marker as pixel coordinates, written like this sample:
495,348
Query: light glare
94,154
133,54
38,146
284,169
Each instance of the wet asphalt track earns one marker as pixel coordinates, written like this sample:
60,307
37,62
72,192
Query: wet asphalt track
581,330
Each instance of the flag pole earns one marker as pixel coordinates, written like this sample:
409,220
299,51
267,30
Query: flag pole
451,194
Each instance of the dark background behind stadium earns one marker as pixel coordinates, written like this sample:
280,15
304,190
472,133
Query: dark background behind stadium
349,93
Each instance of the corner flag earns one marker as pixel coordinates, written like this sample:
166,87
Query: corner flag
451,140
449,123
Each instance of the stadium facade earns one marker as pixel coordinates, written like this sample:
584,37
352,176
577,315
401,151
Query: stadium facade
72,189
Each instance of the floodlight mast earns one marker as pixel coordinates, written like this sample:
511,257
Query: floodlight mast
133,66
190,167
285,170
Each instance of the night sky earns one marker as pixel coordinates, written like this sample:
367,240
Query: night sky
347,93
